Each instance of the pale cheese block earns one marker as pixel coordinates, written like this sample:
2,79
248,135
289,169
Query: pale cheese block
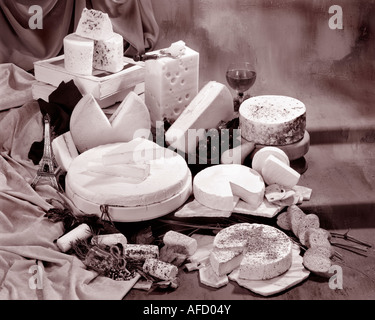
64,150
213,104
90,127
275,171
220,186
170,85
78,54
168,176
173,238
272,120
94,24
266,252
109,54
261,156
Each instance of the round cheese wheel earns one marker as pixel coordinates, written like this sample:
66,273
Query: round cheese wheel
168,176
266,251
90,127
272,120
220,186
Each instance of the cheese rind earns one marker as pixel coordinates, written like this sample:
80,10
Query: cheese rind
109,54
64,150
213,104
272,120
95,25
78,54
170,85
212,186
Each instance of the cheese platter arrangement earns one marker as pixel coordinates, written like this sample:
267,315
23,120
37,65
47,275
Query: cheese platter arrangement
209,161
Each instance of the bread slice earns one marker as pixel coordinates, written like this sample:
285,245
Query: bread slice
283,221
307,222
318,238
317,262
296,215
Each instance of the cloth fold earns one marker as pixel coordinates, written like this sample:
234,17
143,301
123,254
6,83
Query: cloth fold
31,265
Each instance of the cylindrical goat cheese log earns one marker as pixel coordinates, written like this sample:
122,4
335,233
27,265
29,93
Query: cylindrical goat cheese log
141,252
272,120
109,54
188,244
78,54
160,269
81,232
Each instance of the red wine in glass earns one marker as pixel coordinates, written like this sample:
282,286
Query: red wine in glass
241,77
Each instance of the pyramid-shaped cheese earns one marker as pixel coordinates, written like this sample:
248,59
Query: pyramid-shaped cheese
90,127
213,104
95,25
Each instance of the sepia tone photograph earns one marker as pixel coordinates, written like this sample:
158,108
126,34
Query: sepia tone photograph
183,155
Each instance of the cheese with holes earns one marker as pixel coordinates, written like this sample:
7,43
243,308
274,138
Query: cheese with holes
170,85
272,120
275,171
78,54
220,186
264,252
109,54
90,127
213,104
64,150
95,25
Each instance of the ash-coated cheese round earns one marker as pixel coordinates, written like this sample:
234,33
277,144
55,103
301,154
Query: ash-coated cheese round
266,251
272,120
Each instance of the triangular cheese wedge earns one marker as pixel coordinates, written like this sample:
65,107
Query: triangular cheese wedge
213,104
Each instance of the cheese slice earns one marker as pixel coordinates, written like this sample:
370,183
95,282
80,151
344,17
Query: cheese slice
220,186
170,85
213,104
275,171
64,150
90,127
78,54
95,25
109,54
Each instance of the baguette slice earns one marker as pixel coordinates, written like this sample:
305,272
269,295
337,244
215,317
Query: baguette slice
296,215
283,221
317,262
317,238
307,222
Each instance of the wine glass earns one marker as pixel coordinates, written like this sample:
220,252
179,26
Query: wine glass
241,77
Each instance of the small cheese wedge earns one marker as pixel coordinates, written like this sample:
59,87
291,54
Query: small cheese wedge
261,156
134,171
64,149
109,54
135,151
275,171
94,24
213,186
213,104
91,128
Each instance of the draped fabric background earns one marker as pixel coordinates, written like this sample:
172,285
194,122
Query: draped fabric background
21,45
